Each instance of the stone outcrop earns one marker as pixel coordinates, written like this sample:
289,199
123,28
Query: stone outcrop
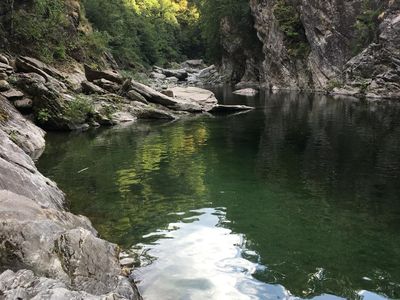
45,251
375,72
331,51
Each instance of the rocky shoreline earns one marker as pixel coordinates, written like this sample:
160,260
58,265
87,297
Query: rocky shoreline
45,251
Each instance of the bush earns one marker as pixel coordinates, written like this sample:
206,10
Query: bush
290,24
367,26
41,29
78,110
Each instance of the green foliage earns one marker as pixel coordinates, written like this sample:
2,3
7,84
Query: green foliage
79,109
291,25
45,30
42,27
43,116
147,32
367,26
332,84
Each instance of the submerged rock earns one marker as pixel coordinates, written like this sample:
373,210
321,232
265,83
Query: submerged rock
227,109
246,92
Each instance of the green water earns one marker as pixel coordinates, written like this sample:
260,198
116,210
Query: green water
297,199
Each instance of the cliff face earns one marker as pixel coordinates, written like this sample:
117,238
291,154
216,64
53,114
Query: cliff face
343,46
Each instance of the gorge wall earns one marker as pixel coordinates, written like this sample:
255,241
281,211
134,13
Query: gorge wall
349,47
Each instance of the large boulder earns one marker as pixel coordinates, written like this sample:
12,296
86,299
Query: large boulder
60,246
107,85
4,86
91,88
154,96
92,75
23,132
6,68
204,98
19,175
31,65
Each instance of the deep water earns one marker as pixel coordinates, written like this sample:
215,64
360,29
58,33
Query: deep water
299,198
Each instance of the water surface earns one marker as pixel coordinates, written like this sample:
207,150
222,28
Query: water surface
297,199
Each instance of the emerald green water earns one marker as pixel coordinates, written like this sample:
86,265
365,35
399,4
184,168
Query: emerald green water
297,199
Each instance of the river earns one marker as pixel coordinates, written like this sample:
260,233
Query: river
298,199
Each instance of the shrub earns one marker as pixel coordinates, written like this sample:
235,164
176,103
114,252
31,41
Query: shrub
43,116
290,24
78,110
367,26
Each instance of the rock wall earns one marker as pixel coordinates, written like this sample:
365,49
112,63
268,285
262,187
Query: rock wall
45,251
330,61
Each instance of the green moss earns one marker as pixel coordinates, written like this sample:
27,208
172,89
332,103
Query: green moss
290,24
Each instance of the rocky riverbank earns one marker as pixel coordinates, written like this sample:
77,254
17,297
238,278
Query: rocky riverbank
45,251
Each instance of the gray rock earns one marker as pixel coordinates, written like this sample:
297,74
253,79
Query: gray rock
180,74
6,68
122,117
168,93
24,284
60,246
143,111
159,98
3,76
4,60
91,88
135,96
107,85
156,75
22,132
29,64
12,94
204,98
92,74
4,86
246,92
23,105
193,63
172,79
127,262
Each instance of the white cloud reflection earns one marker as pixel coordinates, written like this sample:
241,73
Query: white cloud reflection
201,260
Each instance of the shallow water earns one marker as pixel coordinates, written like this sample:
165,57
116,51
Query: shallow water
297,199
